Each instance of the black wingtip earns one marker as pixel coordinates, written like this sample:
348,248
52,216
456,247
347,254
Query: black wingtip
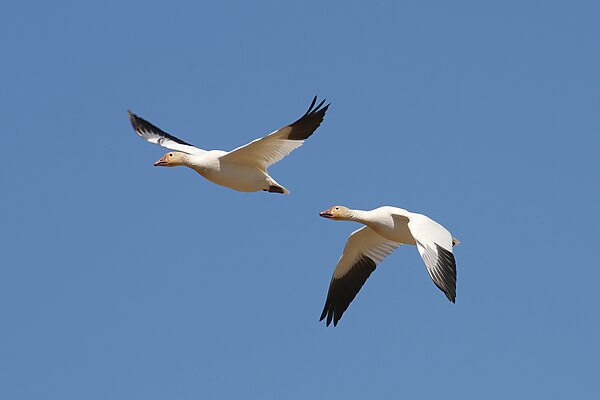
143,127
329,314
312,109
137,123
320,104
451,297
447,266
133,119
311,105
323,314
306,125
344,289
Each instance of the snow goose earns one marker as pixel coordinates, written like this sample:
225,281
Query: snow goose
244,168
386,229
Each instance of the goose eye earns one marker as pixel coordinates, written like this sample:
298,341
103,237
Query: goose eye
171,155
337,208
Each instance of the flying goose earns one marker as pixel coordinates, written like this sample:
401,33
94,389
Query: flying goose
386,229
243,169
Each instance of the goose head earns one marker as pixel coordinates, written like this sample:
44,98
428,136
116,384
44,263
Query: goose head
172,159
336,212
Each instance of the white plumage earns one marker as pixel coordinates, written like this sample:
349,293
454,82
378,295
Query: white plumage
386,229
244,168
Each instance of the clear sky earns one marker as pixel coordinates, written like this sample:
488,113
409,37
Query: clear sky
124,281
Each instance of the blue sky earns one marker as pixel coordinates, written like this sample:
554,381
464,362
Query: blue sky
120,280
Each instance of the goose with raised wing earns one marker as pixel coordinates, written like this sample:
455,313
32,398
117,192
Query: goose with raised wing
243,169
386,228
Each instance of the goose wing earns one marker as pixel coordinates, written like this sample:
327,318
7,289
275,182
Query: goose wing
270,149
363,251
434,243
153,134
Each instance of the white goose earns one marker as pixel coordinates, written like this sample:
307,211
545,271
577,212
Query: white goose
244,168
386,229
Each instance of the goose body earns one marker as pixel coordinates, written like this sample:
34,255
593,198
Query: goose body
243,169
386,228
240,177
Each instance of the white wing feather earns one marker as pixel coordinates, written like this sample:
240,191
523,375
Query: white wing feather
266,151
363,241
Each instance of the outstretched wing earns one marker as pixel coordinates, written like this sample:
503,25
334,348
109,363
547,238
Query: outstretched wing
363,251
434,243
152,134
267,150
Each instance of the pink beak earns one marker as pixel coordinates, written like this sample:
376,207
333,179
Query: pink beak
326,214
162,162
